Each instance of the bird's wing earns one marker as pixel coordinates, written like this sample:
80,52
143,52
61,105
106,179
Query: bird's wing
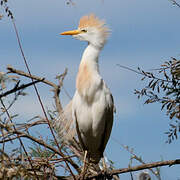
78,132
108,123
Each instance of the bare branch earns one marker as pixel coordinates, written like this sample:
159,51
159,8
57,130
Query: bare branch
137,168
141,72
56,88
22,73
17,88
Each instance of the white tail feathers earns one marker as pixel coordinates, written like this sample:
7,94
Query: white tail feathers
64,125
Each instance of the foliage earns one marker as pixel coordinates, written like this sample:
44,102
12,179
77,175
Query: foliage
163,86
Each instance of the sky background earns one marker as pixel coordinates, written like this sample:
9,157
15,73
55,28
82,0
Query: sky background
144,34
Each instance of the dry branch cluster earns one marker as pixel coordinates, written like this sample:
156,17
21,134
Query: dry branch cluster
47,153
41,158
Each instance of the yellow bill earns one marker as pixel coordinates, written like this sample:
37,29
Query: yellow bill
73,32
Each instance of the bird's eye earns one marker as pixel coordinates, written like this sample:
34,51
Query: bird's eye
84,30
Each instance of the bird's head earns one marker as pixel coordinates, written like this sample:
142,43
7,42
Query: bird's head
92,30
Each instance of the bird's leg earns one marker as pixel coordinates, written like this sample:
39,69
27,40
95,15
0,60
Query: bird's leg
104,164
84,162
106,170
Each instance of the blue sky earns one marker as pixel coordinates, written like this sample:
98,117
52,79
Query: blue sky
144,33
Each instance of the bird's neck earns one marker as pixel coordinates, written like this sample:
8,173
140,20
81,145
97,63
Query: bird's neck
90,58
88,69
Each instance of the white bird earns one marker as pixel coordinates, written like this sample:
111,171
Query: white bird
92,104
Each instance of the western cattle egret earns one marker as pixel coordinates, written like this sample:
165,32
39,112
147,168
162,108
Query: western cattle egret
92,104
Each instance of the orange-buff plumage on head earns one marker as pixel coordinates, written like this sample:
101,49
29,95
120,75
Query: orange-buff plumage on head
93,21
91,29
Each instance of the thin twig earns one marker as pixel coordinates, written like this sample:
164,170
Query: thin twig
29,125
22,73
134,156
17,88
137,72
10,103
175,3
56,88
